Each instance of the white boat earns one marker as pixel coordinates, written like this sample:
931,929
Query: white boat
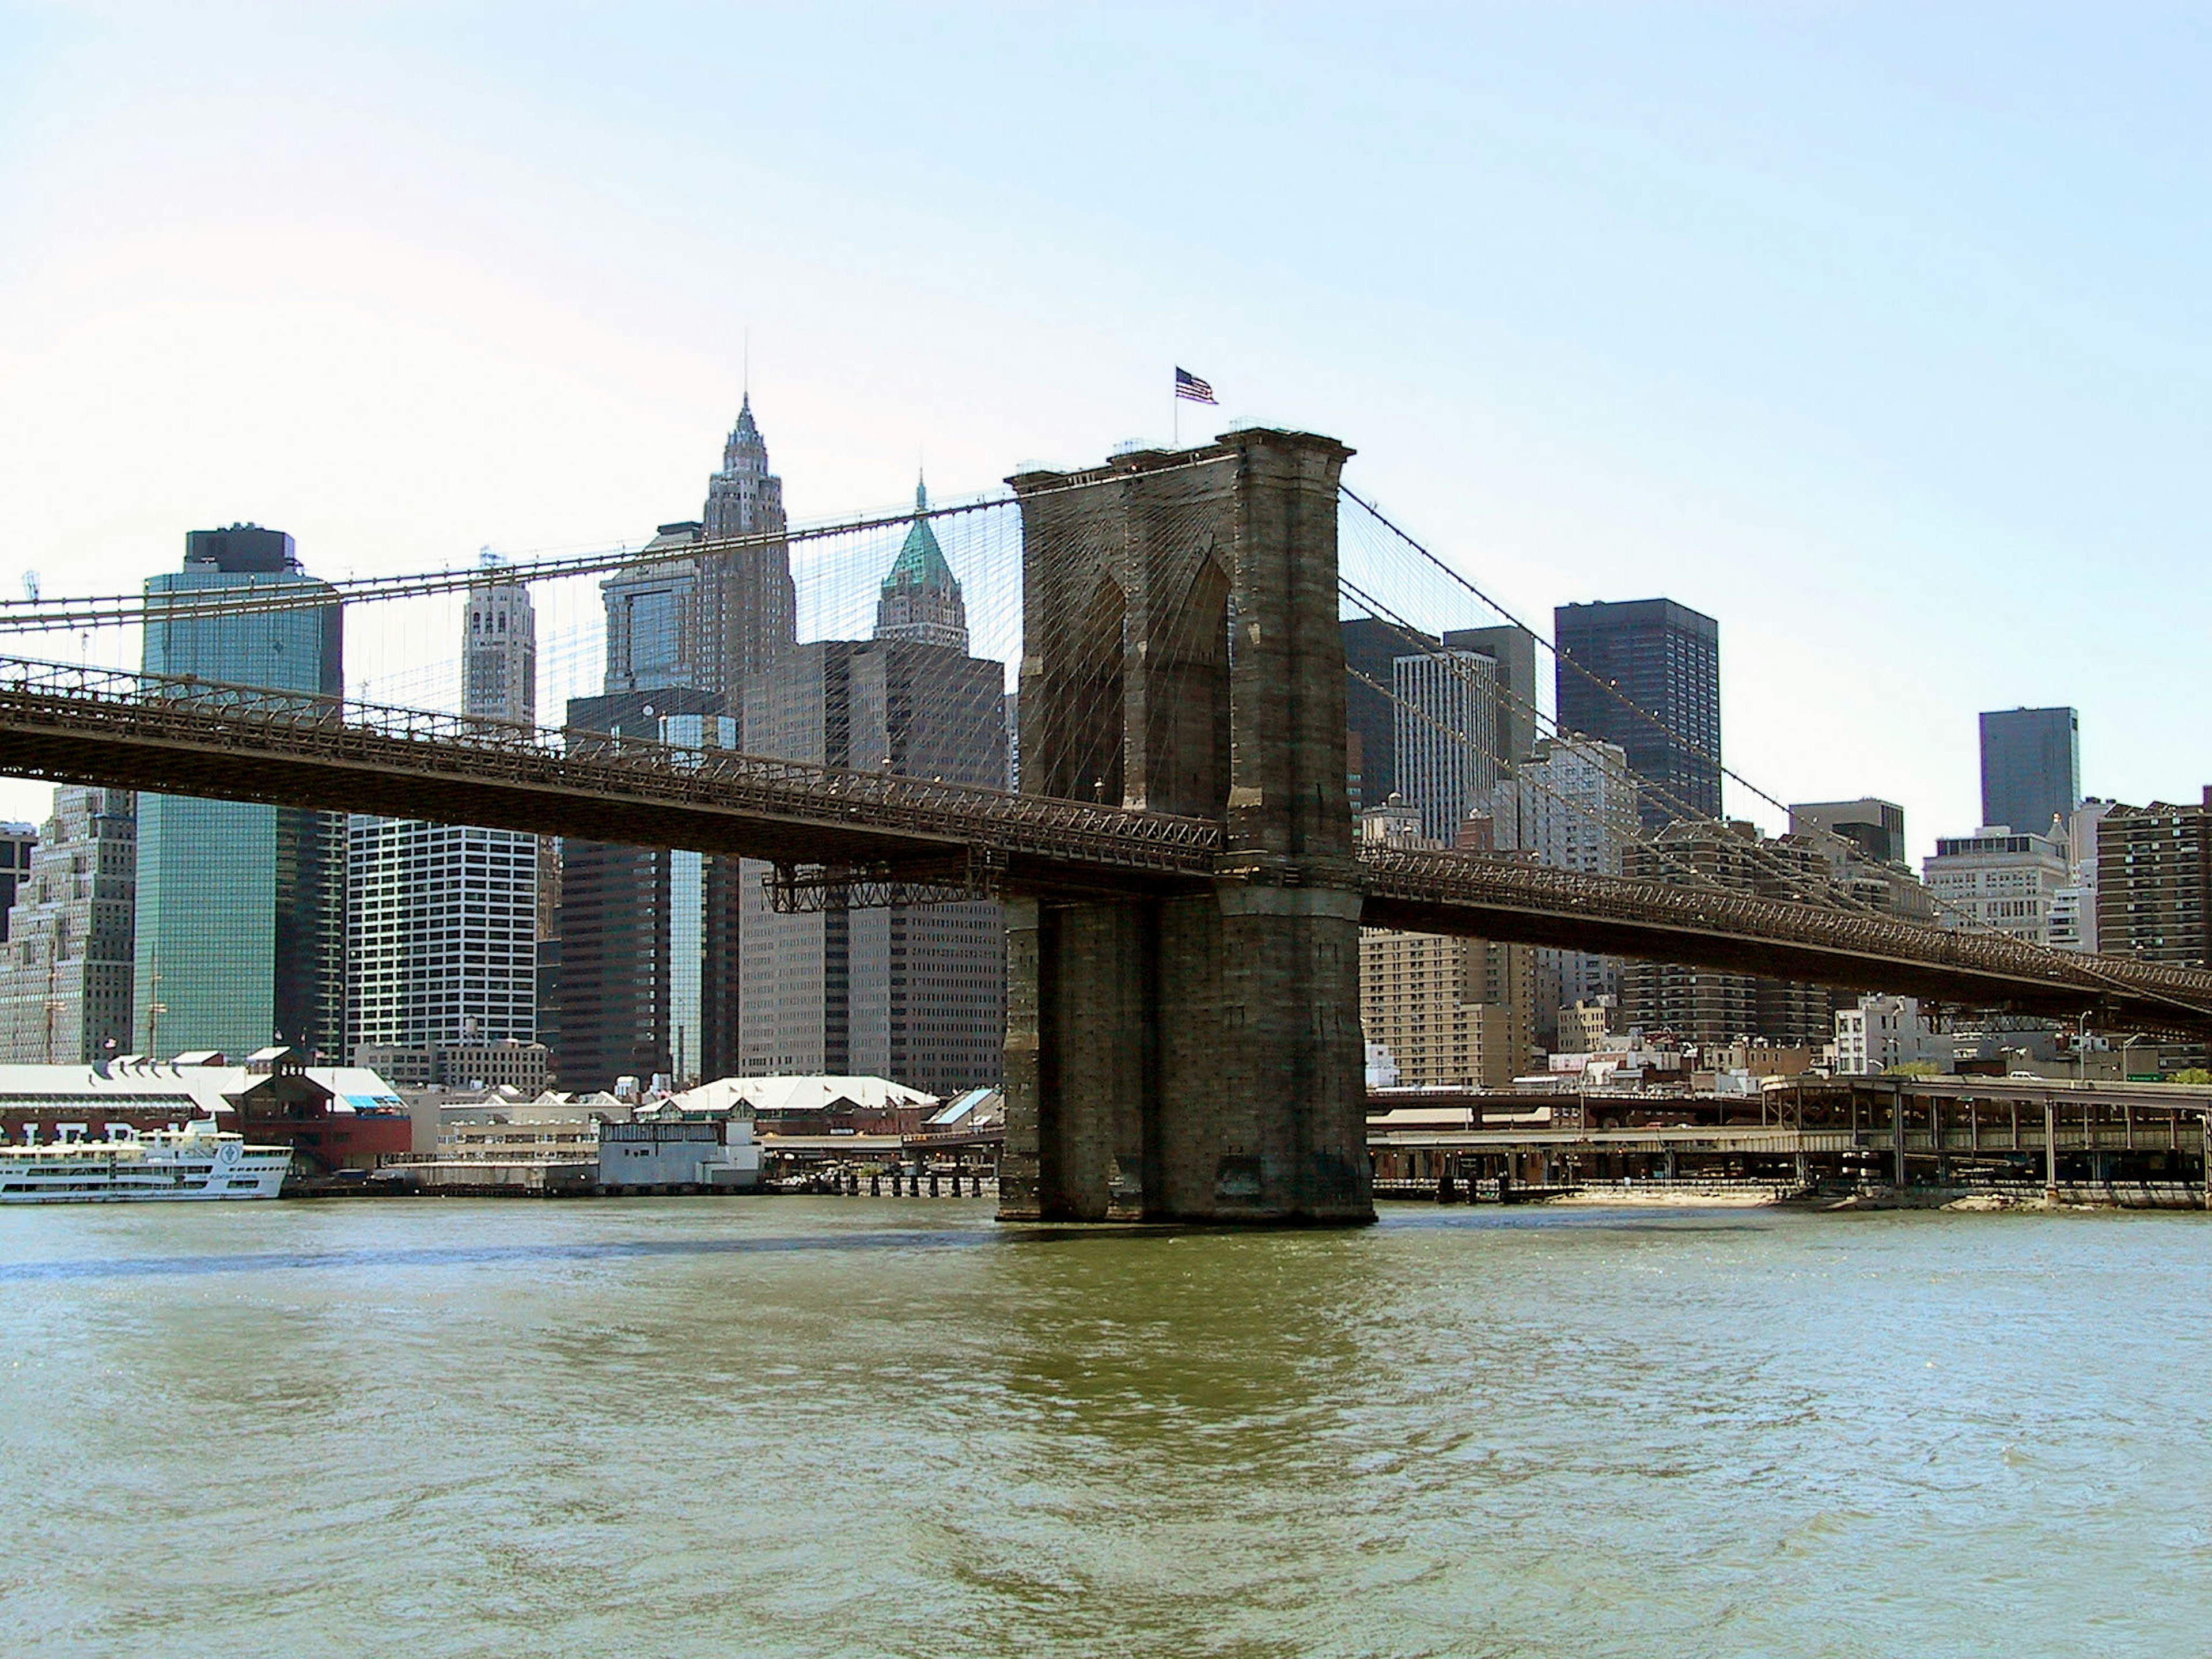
197,1161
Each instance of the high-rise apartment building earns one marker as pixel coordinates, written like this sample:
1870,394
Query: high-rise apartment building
240,907
1651,682
1446,736
1450,1011
2154,891
2031,768
912,992
441,919
1997,878
66,967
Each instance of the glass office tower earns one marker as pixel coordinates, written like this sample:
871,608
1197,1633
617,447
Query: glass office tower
2031,768
1652,684
241,907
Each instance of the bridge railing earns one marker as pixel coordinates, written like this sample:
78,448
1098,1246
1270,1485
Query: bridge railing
1445,878
322,727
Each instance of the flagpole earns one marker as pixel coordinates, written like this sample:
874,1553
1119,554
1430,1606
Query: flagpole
1175,413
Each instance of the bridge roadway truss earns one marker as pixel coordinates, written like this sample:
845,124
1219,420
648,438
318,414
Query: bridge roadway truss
867,837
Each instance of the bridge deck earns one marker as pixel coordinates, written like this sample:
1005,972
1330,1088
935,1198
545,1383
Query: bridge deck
102,727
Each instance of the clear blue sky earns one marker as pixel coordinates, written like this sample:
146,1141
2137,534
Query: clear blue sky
1879,332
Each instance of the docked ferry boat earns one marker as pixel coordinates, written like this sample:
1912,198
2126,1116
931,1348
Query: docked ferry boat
197,1161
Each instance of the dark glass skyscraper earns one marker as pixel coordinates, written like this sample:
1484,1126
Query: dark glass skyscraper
2031,767
1664,660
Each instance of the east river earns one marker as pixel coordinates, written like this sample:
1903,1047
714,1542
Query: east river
787,1426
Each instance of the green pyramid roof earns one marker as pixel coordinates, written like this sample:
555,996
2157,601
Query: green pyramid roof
920,562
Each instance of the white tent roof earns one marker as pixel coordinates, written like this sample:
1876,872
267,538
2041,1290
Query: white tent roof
164,1085
798,1094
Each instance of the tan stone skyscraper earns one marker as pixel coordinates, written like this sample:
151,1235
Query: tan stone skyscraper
65,970
753,599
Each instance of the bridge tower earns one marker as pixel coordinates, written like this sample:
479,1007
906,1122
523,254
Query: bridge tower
1194,1055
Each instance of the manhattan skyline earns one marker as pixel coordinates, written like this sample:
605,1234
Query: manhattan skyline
1905,395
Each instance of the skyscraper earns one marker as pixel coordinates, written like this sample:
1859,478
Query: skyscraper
647,949
441,919
914,993
240,907
1512,648
1372,649
1662,660
920,599
1446,736
2031,768
755,604
17,843
499,646
648,934
691,613
1572,804
65,970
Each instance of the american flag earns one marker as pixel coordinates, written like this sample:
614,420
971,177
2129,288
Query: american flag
1187,385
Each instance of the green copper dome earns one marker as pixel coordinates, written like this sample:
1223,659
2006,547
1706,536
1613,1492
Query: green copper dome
920,562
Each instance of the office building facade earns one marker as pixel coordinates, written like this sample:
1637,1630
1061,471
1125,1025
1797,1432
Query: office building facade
1649,681
1999,878
442,919
66,967
1512,652
17,843
648,983
1448,755
2031,768
1875,828
1572,805
499,653
915,992
240,907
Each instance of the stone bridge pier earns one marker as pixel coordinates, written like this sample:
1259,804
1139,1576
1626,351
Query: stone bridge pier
1191,1056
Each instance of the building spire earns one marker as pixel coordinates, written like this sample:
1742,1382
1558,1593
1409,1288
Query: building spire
920,599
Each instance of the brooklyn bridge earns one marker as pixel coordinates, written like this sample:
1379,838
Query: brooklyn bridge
1181,883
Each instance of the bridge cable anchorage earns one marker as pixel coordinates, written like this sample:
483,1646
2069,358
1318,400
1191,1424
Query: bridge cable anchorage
28,615
2081,962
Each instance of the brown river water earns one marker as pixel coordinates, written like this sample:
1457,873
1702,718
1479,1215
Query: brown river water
876,1427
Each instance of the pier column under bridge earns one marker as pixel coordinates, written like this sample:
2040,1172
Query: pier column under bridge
1194,1055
